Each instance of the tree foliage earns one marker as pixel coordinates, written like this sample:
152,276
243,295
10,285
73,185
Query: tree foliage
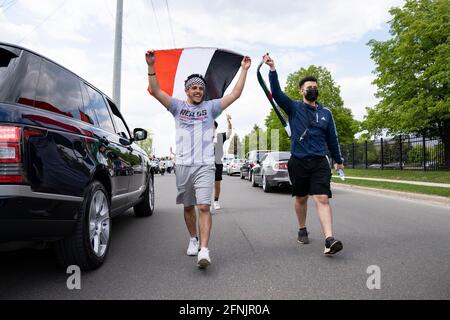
413,71
274,129
147,144
255,140
235,146
329,96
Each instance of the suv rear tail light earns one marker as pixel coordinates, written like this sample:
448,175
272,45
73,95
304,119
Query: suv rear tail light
9,153
9,134
9,144
10,156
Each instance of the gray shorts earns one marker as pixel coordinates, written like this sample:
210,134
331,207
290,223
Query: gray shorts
195,184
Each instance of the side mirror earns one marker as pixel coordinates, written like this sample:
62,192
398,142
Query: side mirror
139,134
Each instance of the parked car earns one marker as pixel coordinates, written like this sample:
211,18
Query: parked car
252,159
432,164
234,166
68,162
394,165
226,159
272,171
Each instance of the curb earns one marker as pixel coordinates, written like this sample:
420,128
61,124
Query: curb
416,197
417,183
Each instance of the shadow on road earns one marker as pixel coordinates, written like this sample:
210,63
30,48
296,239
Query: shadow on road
29,269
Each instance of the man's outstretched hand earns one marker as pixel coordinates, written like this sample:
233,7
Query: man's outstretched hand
269,61
246,63
150,57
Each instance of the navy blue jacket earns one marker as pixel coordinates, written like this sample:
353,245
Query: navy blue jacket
312,129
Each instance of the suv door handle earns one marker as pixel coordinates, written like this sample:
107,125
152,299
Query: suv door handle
104,141
130,148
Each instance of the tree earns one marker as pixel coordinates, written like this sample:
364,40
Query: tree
413,72
272,124
147,144
235,146
329,96
255,140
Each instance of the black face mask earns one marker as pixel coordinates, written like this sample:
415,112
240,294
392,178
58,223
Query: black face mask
312,94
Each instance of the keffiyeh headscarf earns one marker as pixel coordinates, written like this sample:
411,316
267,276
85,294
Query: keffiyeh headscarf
194,81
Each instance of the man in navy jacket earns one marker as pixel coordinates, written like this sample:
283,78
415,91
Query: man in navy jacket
313,130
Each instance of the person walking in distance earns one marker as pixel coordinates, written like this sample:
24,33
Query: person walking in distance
194,124
313,130
220,139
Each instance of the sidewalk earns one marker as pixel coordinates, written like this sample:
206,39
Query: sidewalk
409,196
419,183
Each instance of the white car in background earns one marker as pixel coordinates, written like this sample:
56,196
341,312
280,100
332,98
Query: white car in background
234,166
226,159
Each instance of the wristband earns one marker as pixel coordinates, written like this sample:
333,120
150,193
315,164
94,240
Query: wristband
152,74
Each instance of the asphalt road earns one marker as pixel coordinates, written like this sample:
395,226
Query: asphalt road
255,254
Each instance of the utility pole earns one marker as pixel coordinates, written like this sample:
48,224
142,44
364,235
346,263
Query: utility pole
118,54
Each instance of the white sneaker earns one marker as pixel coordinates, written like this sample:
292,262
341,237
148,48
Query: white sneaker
193,247
203,258
216,205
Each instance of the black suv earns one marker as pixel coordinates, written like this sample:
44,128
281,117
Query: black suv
68,162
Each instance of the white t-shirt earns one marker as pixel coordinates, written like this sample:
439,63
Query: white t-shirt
195,131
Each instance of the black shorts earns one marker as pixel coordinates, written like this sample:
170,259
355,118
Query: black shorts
219,170
310,176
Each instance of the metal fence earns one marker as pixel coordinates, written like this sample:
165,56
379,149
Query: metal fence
400,152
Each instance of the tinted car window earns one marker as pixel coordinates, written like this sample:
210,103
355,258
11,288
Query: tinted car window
121,128
58,91
96,108
27,93
88,110
8,61
19,73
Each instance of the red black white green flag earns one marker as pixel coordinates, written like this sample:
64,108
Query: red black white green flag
217,66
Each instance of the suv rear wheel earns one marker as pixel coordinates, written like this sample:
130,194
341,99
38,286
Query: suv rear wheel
88,245
146,207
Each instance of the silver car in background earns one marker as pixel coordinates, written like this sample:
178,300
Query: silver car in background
234,166
226,159
272,171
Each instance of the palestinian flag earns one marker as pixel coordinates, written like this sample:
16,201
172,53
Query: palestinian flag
217,66
284,121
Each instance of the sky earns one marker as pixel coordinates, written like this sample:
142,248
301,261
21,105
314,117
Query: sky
79,34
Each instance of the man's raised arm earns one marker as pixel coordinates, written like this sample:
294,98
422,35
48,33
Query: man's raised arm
153,83
278,95
227,100
229,128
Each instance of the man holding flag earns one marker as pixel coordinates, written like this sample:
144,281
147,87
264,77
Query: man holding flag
194,122
313,129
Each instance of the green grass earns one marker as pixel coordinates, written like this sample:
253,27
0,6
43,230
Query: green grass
444,192
413,175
